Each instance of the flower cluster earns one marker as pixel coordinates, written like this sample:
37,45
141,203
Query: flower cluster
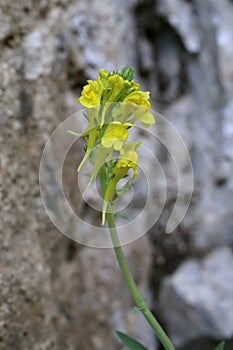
114,102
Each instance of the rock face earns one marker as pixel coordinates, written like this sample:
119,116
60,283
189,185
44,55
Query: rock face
185,50
55,294
197,299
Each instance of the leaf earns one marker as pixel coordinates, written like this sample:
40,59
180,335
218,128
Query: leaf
124,217
123,189
220,346
131,343
73,133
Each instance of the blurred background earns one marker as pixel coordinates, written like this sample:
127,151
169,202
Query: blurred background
56,294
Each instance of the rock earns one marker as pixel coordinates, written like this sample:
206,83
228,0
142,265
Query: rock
17,20
91,43
180,14
39,51
197,300
218,210
54,294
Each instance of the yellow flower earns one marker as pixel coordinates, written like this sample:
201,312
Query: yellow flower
91,94
139,98
113,104
147,119
128,112
135,86
115,85
128,159
103,77
115,135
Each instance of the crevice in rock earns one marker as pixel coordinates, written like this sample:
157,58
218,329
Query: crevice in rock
71,250
26,105
166,49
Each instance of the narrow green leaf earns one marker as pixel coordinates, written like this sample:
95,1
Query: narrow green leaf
131,343
73,133
124,217
103,179
125,188
220,346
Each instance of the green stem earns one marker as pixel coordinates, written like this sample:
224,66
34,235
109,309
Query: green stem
132,286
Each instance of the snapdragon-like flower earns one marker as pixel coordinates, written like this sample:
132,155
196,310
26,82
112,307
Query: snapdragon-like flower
113,139
115,135
114,103
131,112
91,94
139,98
128,159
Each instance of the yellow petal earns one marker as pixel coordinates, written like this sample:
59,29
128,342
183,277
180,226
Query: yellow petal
147,118
114,136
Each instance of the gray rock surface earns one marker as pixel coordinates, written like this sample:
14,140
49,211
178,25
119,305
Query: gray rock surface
197,300
55,294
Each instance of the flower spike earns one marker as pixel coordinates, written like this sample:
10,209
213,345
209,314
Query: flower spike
114,103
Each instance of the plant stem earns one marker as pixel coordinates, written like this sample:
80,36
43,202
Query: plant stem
132,286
